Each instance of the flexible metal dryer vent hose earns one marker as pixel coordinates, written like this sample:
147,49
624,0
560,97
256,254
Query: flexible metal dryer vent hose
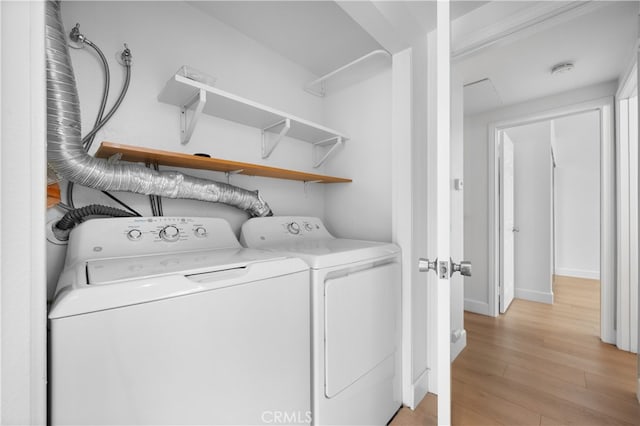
70,161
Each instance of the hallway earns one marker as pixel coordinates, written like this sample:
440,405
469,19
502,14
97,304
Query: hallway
539,365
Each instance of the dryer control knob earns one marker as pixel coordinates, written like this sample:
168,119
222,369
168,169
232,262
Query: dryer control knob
308,227
293,228
170,233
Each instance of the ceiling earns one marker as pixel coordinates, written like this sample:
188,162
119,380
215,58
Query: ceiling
319,35
599,43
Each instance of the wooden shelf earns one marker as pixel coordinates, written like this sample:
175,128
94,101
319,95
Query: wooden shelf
176,159
53,194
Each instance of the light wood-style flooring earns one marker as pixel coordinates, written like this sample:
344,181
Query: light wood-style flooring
539,364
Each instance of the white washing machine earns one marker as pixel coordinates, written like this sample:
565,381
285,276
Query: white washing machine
356,323
170,321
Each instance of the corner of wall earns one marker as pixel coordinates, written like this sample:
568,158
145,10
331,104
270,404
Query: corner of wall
477,307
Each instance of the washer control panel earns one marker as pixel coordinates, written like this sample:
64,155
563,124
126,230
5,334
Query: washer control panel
100,238
261,231
169,230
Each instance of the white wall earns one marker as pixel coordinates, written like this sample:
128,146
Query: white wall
577,195
410,121
166,35
532,213
361,209
476,194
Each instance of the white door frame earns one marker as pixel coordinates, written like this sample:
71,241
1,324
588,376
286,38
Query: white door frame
503,303
23,290
605,107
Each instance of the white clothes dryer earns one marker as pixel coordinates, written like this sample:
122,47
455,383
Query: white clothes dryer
169,320
356,322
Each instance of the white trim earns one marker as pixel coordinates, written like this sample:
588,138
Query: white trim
38,159
2,378
23,170
419,389
531,20
578,273
477,307
629,77
607,203
459,345
443,234
534,296
431,208
638,292
402,205
622,199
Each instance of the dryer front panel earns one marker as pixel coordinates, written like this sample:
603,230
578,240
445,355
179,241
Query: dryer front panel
361,324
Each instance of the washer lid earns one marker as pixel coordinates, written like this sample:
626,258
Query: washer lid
332,252
76,297
109,271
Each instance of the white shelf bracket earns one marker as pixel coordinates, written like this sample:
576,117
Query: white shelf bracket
186,128
334,141
231,173
266,150
307,183
318,87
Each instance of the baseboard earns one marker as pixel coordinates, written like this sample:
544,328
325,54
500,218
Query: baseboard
458,345
476,307
578,273
420,388
534,296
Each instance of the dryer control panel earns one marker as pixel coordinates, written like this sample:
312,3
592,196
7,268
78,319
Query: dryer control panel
260,231
130,236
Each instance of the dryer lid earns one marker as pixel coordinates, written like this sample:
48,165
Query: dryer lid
320,254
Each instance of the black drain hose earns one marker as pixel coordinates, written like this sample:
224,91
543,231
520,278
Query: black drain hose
74,217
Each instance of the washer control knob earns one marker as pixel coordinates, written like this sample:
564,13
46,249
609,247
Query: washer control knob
293,228
170,233
200,232
134,234
308,226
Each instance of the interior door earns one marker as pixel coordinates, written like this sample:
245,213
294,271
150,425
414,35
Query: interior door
507,223
442,265
443,132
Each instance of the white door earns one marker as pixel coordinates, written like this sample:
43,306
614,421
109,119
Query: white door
442,265
507,223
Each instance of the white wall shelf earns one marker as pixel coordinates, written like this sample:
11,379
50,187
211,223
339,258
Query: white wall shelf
186,93
356,70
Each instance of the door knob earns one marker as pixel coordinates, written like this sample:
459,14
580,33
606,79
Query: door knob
425,265
515,229
463,267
